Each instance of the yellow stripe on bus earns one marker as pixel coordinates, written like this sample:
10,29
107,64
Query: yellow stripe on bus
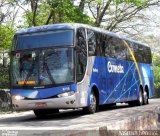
134,59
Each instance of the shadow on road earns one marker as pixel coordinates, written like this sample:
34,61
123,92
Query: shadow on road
63,115
71,114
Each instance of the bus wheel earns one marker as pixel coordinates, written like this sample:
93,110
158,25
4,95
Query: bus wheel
140,99
93,104
41,113
145,97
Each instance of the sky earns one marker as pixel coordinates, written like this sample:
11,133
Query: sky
154,23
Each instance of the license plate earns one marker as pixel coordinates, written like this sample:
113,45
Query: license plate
41,105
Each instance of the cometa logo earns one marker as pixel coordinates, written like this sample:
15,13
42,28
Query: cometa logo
115,68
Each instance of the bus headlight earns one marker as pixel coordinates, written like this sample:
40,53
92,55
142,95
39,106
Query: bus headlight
66,94
17,97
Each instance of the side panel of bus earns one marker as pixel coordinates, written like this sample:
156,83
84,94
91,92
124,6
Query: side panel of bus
118,78
115,85
120,86
146,71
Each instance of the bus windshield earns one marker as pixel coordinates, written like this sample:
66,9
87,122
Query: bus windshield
43,39
41,67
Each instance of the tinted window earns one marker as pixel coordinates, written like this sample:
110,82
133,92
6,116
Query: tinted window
148,55
141,53
91,42
103,44
120,49
145,54
138,53
81,54
115,48
129,56
44,39
98,50
108,46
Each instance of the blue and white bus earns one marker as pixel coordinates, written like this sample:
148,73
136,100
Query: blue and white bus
67,66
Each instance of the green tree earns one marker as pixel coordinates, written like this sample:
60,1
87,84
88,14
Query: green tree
6,36
8,12
118,15
156,68
4,77
113,15
51,12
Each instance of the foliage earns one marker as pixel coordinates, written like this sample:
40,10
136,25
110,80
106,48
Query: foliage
8,11
52,12
135,2
113,15
156,63
124,16
6,36
4,77
5,102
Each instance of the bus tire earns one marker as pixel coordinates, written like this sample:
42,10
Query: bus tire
41,113
92,107
139,102
145,97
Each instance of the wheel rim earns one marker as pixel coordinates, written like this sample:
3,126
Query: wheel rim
145,97
140,98
93,103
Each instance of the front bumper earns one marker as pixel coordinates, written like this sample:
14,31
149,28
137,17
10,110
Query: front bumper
54,103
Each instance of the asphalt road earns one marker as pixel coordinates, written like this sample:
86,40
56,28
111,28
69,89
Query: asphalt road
75,119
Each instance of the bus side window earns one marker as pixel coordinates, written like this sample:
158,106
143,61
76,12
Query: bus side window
108,46
129,56
103,47
103,44
141,54
120,49
98,49
112,45
112,48
148,55
82,54
91,42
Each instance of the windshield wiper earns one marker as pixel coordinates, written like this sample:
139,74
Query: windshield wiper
48,72
45,66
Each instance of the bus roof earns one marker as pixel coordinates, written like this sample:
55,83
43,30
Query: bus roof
73,26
